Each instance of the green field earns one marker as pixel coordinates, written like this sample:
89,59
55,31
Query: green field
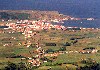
59,37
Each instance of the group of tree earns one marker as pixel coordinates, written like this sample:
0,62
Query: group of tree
52,51
13,66
19,16
94,66
90,64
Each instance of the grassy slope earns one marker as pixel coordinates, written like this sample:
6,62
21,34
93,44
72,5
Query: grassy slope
57,37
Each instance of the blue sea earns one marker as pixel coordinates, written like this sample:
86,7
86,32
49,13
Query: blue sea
75,8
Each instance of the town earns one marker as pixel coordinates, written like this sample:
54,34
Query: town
42,45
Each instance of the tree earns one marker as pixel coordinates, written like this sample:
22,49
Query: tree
75,41
62,49
67,44
89,65
11,66
49,50
22,66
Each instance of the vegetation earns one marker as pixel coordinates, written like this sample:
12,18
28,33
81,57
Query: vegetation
20,16
29,14
67,41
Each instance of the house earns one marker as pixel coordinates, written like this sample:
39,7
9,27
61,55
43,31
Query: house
51,55
34,62
88,50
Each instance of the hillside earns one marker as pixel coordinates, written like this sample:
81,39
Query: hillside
29,14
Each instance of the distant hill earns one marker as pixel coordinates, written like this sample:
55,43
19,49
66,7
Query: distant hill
29,14
8,15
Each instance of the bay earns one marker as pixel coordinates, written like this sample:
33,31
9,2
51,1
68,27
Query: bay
75,8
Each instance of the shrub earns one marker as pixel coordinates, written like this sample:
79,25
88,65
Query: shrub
49,50
11,66
67,44
62,49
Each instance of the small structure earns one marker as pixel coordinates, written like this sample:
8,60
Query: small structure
34,62
88,50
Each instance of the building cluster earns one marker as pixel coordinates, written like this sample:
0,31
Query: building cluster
36,60
27,27
89,51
